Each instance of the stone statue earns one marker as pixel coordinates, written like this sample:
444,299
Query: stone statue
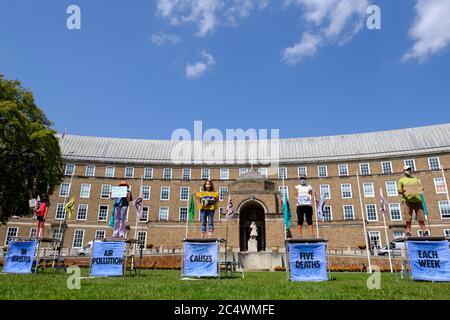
254,231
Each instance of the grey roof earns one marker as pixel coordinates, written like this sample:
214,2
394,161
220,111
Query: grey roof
384,144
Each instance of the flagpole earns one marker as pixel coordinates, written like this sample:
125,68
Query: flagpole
138,216
317,220
383,213
65,216
284,224
364,223
446,185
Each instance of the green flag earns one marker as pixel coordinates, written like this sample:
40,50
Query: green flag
286,212
192,208
425,208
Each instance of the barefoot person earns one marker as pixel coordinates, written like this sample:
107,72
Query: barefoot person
120,212
410,188
208,200
303,194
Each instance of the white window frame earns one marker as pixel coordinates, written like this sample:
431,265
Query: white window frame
145,217
107,212
102,195
344,213
32,233
61,188
400,234
82,238
60,206
349,190
113,173
394,183
125,173
161,193
302,171
181,193
328,191
168,176
97,234
440,204
224,173
87,173
390,167
78,211
378,236
179,214
282,173
139,237
159,214
66,173
11,236
361,171
331,212
206,176
430,165
320,171
148,173
149,188
87,192
186,177
343,170
443,185
222,190
411,163
391,205
367,212
447,233
372,186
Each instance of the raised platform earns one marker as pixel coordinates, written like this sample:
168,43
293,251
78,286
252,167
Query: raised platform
205,240
421,239
306,240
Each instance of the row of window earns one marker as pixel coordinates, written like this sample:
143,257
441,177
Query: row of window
105,191
224,173
346,190
348,212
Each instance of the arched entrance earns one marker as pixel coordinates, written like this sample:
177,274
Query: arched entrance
249,212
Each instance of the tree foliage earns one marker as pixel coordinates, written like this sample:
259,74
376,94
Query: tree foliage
30,156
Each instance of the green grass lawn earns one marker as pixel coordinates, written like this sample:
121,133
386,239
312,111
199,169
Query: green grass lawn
166,285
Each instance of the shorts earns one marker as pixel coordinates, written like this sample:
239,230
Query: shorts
409,207
303,211
40,218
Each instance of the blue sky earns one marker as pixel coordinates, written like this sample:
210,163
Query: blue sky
142,69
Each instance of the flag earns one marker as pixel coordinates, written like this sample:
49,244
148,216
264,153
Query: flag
69,206
230,209
425,208
320,203
38,201
191,208
383,203
286,212
111,219
138,203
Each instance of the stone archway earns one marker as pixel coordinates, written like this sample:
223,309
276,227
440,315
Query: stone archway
248,212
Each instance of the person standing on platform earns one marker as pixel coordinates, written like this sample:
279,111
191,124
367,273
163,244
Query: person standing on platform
120,212
410,188
303,194
208,200
41,213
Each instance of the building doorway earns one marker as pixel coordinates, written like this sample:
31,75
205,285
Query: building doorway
249,212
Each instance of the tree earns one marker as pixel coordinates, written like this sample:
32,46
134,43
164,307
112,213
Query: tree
30,156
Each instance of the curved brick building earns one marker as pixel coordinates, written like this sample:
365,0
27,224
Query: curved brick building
332,165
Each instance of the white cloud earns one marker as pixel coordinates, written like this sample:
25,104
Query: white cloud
161,39
196,70
307,47
207,14
331,21
430,30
